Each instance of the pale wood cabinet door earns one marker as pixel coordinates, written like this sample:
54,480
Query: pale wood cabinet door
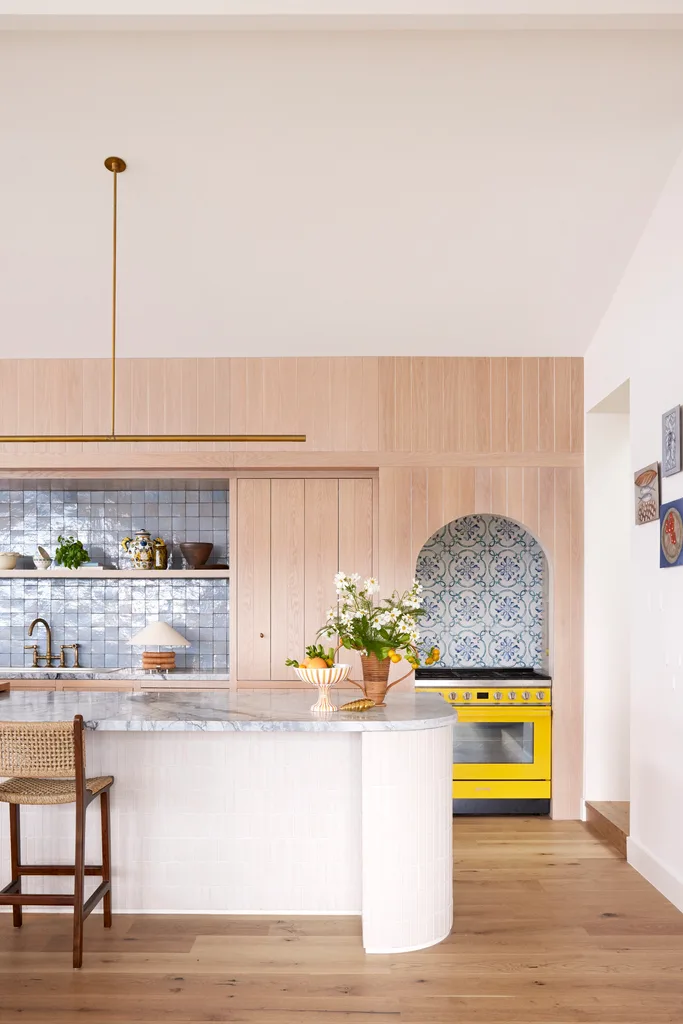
321,554
287,575
292,536
252,604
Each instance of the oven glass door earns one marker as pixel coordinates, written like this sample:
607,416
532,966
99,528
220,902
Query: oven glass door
501,743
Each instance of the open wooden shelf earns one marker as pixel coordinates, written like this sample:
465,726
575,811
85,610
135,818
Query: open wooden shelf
115,574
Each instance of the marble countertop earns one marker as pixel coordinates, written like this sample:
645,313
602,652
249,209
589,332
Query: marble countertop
240,711
112,674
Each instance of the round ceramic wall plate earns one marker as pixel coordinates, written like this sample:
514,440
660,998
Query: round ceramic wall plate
672,535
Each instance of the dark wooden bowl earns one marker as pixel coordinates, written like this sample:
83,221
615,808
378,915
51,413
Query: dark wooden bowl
196,553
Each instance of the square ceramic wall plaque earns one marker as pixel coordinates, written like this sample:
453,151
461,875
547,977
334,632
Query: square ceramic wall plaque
671,441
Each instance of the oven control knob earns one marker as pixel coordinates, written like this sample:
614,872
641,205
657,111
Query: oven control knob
453,696
467,695
498,695
511,694
526,695
539,695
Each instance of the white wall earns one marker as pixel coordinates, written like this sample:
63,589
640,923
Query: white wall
348,193
641,338
609,516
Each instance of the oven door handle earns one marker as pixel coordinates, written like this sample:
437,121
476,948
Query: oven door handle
502,714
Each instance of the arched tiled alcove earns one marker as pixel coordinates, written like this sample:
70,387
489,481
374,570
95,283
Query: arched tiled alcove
485,580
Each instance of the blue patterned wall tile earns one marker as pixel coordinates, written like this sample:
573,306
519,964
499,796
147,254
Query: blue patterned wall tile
485,582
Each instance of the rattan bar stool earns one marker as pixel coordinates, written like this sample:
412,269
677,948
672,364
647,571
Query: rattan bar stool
47,760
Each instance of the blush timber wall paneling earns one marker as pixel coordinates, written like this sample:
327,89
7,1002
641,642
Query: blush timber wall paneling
549,502
466,409
449,436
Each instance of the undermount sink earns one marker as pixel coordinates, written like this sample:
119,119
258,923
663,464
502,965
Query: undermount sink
56,669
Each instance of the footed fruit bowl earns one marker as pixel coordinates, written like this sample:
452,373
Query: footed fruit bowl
323,678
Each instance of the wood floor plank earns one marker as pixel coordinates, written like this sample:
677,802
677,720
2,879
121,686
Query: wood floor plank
551,927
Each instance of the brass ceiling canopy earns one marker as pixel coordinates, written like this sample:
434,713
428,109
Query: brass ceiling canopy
117,166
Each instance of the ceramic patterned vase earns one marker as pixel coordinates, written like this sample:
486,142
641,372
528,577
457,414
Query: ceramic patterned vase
140,550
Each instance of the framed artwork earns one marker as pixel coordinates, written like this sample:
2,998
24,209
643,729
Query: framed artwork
646,484
671,441
671,534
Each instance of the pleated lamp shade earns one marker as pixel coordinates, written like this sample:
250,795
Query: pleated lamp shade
158,634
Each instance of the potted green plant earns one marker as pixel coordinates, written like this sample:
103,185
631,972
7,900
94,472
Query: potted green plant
382,631
70,553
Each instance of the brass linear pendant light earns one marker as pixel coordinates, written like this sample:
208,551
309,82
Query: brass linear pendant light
117,166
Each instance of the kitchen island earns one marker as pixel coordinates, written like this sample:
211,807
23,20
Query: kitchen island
247,803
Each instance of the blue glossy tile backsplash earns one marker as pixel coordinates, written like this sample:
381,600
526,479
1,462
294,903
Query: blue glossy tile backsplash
102,518
485,594
102,615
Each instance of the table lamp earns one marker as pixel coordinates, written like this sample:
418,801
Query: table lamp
160,634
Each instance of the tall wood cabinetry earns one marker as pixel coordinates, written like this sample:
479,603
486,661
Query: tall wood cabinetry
292,536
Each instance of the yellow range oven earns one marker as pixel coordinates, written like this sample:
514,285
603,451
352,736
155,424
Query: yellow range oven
501,742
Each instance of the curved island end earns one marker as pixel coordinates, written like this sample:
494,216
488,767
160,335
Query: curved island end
245,802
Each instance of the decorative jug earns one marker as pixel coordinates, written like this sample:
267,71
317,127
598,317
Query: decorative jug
140,550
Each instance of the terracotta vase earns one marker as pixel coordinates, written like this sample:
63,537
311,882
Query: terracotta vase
375,677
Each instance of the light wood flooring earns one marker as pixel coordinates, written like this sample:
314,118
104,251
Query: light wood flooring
551,927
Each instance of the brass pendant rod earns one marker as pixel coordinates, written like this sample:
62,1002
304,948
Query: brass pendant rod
113,302
117,166
148,438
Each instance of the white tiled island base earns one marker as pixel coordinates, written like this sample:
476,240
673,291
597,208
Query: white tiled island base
246,803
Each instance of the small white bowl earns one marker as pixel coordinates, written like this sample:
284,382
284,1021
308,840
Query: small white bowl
8,559
323,676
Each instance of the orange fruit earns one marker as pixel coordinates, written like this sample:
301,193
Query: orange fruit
306,663
317,663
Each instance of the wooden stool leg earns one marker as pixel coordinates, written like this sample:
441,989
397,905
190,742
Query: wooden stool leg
79,883
106,854
15,855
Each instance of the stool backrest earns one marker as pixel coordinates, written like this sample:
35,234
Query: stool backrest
42,750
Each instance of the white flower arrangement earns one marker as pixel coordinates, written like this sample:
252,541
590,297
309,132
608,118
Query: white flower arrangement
387,629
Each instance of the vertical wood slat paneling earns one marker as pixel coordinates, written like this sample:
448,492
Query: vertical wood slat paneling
287,575
356,541
403,399
482,489
253,579
387,403
563,401
474,406
498,403
402,404
546,405
515,405
564,741
321,553
452,439
576,404
530,405
435,400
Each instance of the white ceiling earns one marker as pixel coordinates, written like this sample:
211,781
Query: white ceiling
300,193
